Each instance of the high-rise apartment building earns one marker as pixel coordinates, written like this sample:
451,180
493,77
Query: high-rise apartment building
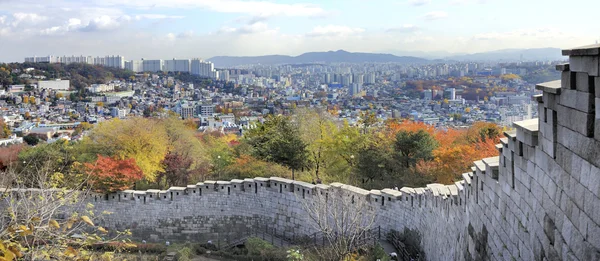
176,65
134,66
152,65
202,68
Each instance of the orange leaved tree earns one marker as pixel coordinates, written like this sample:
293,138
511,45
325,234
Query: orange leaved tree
111,174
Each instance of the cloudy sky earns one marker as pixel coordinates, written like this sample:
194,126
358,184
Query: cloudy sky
205,28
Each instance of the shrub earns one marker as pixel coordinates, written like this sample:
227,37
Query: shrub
257,246
184,254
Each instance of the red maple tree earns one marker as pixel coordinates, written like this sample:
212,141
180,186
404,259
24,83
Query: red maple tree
112,174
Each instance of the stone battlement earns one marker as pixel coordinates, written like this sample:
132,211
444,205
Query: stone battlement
539,199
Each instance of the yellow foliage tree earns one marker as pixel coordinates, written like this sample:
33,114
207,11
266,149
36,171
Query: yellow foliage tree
143,139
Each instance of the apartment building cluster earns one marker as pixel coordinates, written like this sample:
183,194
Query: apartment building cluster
193,66
115,61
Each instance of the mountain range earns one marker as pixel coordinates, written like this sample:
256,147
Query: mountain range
342,56
536,54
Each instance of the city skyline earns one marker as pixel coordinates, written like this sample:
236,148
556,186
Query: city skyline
206,28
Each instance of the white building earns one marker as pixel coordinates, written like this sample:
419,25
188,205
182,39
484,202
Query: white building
204,69
118,113
152,65
181,65
96,88
43,59
134,65
54,85
75,59
224,75
207,110
114,61
13,139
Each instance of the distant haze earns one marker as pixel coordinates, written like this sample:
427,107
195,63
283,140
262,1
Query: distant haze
341,56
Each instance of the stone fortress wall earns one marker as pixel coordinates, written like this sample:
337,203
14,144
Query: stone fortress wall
538,200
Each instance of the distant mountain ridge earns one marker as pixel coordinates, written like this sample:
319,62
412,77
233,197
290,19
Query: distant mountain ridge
339,56
535,54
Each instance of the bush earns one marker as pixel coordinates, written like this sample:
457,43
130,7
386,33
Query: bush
257,246
31,140
378,253
199,250
184,254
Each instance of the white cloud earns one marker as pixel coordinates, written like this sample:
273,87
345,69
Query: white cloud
157,16
538,33
419,2
257,8
334,30
186,34
102,23
405,28
254,28
435,15
2,19
171,36
27,18
464,2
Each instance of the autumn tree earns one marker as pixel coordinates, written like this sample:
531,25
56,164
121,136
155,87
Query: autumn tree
481,131
4,129
318,132
246,166
176,170
141,139
186,149
48,223
63,158
112,174
367,119
9,155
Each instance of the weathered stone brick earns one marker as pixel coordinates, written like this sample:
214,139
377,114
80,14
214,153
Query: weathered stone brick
566,81
576,120
550,100
587,64
583,83
582,101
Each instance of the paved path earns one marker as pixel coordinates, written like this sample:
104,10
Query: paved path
387,246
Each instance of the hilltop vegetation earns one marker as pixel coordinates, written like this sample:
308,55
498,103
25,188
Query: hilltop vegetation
146,153
81,75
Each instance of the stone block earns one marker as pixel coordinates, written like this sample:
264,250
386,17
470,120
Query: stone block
566,80
584,83
576,163
585,172
550,100
597,129
563,157
594,181
575,120
597,86
562,67
587,64
581,145
582,101
587,50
